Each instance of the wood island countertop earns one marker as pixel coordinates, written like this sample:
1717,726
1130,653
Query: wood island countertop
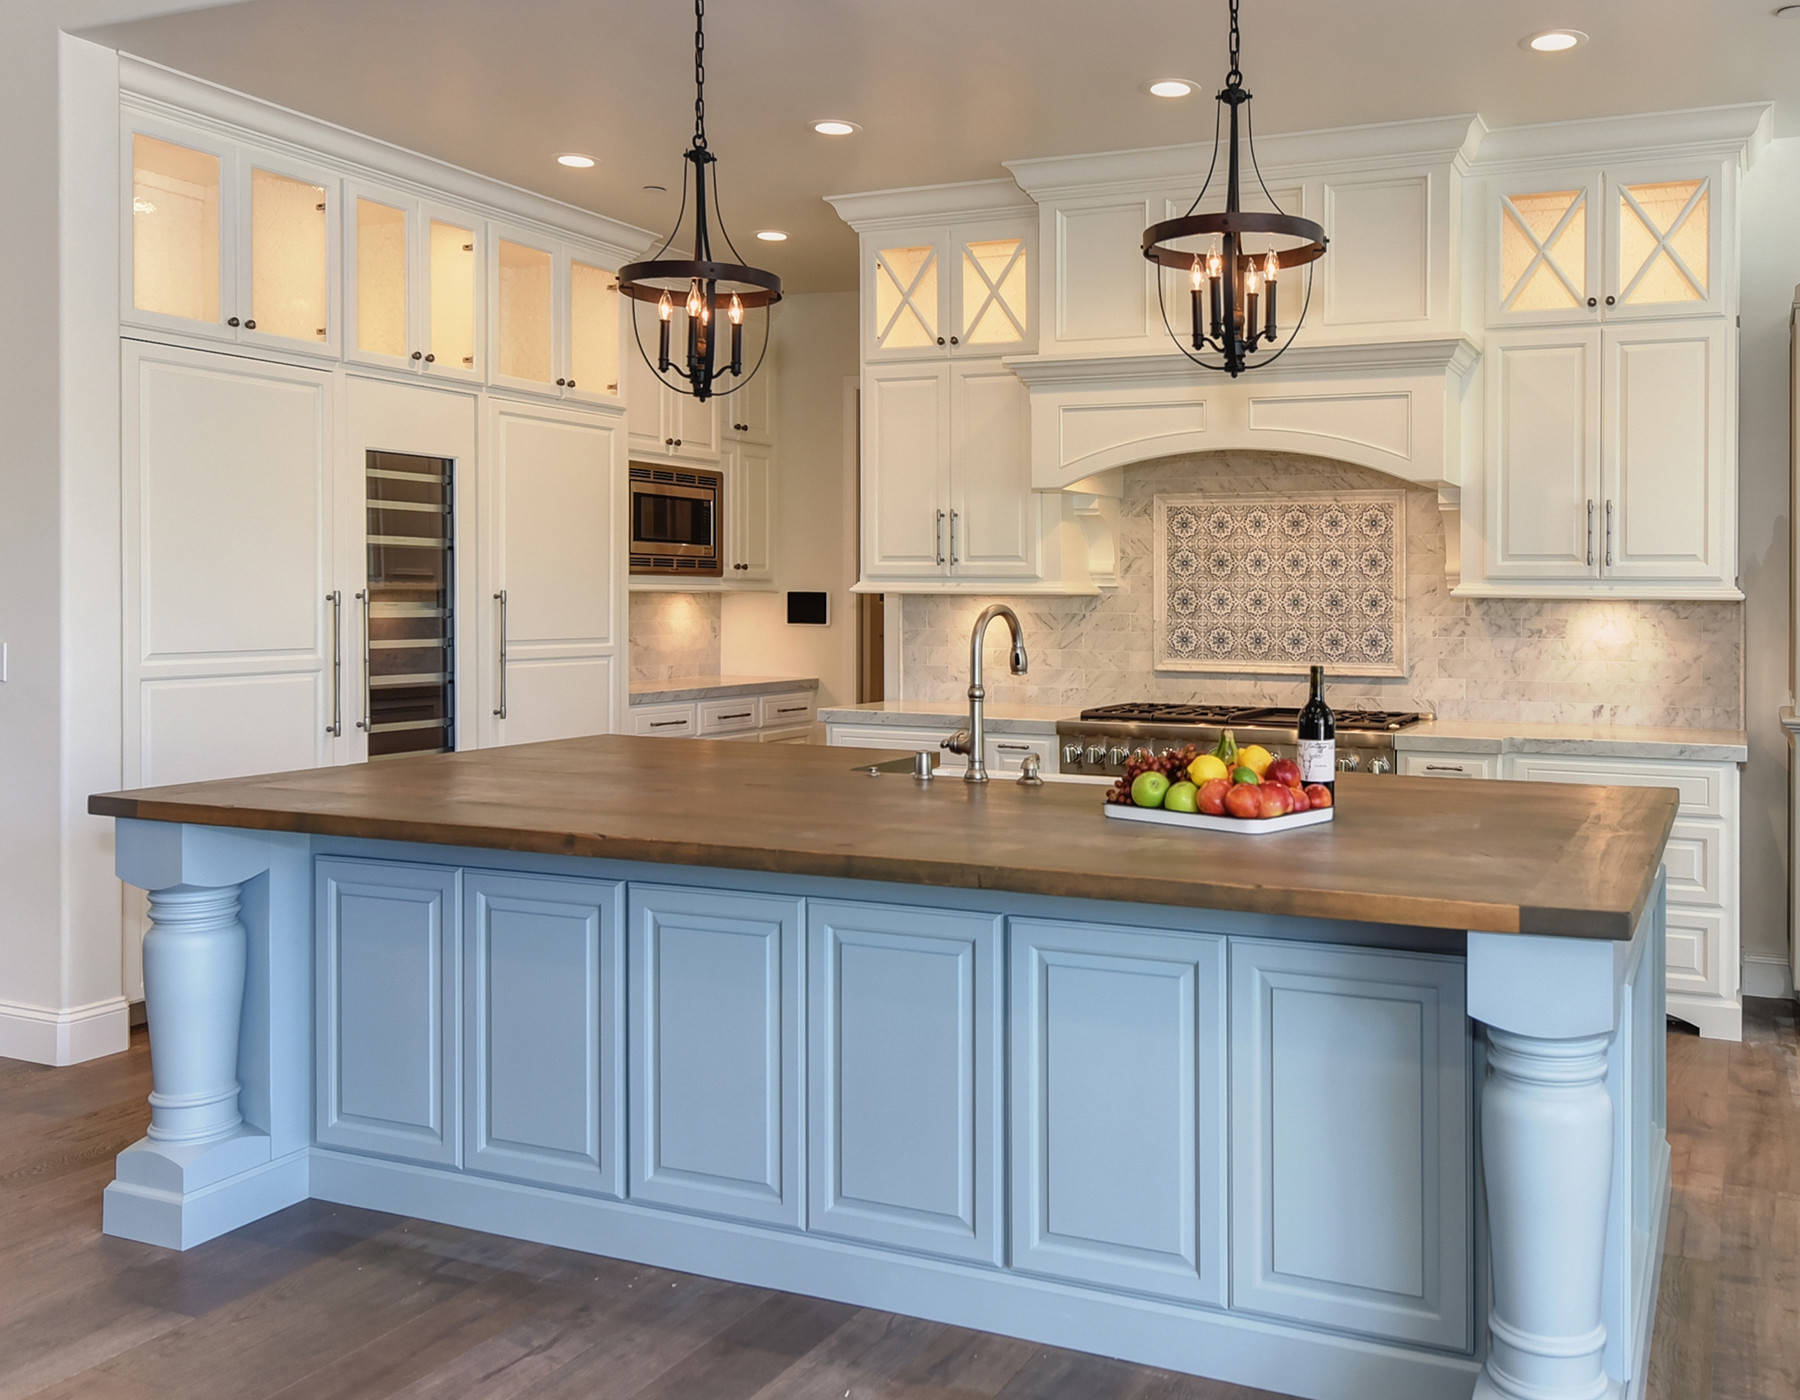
1498,857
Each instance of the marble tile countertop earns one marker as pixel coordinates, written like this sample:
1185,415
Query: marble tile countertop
900,714
1593,740
715,687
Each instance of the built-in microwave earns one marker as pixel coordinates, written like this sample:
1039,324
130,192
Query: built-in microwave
676,513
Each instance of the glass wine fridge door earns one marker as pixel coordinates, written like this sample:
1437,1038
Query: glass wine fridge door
409,653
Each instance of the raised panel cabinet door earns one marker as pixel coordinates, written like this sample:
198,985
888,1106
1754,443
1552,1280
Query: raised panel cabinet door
1665,228
1117,1120
1104,289
554,651
750,484
906,471
649,405
994,513
226,502
387,1025
1545,248
544,1087
717,984
1544,517
1668,505
1350,1128
904,1057
748,403
289,253
696,427
179,257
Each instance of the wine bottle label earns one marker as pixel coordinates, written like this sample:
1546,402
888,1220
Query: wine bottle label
1318,760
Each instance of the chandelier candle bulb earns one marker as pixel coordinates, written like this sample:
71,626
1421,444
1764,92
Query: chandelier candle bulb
664,310
1215,271
1197,301
1271,265
737,335
1250,306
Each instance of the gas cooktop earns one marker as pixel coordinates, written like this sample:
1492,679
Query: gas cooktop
1101,741
1269,716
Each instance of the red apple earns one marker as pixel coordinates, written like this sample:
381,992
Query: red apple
1244,800
1274,800
1211,800
1319,795
1302,803
1283,772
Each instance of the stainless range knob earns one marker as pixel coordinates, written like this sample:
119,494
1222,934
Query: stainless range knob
1118,754
1349,763
1071,755
1380,765
1096,754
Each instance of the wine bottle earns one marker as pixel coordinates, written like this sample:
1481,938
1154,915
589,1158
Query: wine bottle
1318,737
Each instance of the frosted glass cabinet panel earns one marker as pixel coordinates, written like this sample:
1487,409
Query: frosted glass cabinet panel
593,329
412,286
289,256
176,218
1663,242
524,298
995,285
935,290
1546,250
905,285
453,295
382,271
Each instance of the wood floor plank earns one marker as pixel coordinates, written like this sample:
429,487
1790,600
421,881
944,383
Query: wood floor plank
326,1302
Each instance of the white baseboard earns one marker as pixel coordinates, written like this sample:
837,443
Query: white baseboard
47,1036
1766,976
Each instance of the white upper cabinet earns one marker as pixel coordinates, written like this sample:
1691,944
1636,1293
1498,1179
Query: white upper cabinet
906,471
933,290
412,285
228,242
749,406
750,501
553,316
666,424
1590,245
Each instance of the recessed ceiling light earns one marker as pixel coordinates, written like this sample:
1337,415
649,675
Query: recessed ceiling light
575,160
1169,87
835,126
1554,41
771,235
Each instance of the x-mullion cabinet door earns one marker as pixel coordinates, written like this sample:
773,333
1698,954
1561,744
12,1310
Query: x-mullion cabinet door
1664,231
1546,247
993,287
289,253
906,296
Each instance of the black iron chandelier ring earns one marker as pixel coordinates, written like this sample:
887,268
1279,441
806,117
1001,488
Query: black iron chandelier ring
1159,235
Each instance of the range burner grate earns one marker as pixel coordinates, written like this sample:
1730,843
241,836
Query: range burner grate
1269,717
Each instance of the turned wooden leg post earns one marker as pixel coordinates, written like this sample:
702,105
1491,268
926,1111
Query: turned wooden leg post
1547,1139
193,997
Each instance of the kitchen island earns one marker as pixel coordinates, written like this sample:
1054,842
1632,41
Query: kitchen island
1362,1111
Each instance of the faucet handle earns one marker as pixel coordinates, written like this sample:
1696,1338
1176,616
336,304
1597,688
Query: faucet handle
959,742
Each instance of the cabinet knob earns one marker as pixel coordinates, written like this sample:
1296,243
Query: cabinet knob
232,321
678,442
418,354
1593,301
560,383
1609,302
955,341
431,359
940,340
250,324
668,442
571,383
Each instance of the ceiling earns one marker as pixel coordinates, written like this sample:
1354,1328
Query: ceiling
945,89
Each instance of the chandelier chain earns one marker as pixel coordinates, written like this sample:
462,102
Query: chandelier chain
1235,78
700,72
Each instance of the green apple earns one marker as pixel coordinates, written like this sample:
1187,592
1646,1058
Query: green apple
1149,789
1182,797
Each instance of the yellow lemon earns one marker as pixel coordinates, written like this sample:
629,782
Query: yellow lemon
1256,758
1207,767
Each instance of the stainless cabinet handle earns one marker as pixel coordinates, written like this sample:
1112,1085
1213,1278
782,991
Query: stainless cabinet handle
937,536
953,538
1590,532
363,598
1014,748
1609,532
336,727
500,709
1445,768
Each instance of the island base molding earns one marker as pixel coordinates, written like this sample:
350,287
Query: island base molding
1075,1122
1222,1346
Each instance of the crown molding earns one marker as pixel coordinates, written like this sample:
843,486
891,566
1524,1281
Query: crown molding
878,209
1451,355
150,87
1732,133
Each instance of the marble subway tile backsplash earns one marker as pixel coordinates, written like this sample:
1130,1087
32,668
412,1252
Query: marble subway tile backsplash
674,635
1553,661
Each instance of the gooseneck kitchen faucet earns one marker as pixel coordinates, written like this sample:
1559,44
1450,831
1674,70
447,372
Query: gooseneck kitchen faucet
973,740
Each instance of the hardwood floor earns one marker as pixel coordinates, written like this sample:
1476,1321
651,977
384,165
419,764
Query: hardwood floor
324,1301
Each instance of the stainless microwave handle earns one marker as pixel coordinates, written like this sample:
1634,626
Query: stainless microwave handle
336,727
500,709
363,723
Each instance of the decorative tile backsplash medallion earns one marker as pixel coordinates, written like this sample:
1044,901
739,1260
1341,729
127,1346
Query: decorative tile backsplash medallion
1271,585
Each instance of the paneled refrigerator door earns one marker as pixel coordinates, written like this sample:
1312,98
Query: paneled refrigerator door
408,583
552,655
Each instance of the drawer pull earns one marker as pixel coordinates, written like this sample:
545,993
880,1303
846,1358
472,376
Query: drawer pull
1016,748
666,723
1445,768
742,714
790,709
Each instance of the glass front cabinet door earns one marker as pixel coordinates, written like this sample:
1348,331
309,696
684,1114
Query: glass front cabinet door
932,292
554,318
287,252
177,271
1662,242
412,285
1546,251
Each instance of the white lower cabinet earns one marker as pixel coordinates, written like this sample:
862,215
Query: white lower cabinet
1350,1131
665,721
388,975
1118,1108
767,719
1448,765
544,1032
717,988
904,1132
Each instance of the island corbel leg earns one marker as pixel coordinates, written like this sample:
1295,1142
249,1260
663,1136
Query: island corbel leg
227,989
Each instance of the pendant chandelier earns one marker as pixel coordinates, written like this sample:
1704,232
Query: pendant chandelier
1233,279
701,289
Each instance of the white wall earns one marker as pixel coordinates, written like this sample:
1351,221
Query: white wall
1771,268
815,352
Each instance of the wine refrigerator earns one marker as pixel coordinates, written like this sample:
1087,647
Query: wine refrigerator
409,633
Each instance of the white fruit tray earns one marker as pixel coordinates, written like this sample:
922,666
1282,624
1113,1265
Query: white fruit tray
1199,821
